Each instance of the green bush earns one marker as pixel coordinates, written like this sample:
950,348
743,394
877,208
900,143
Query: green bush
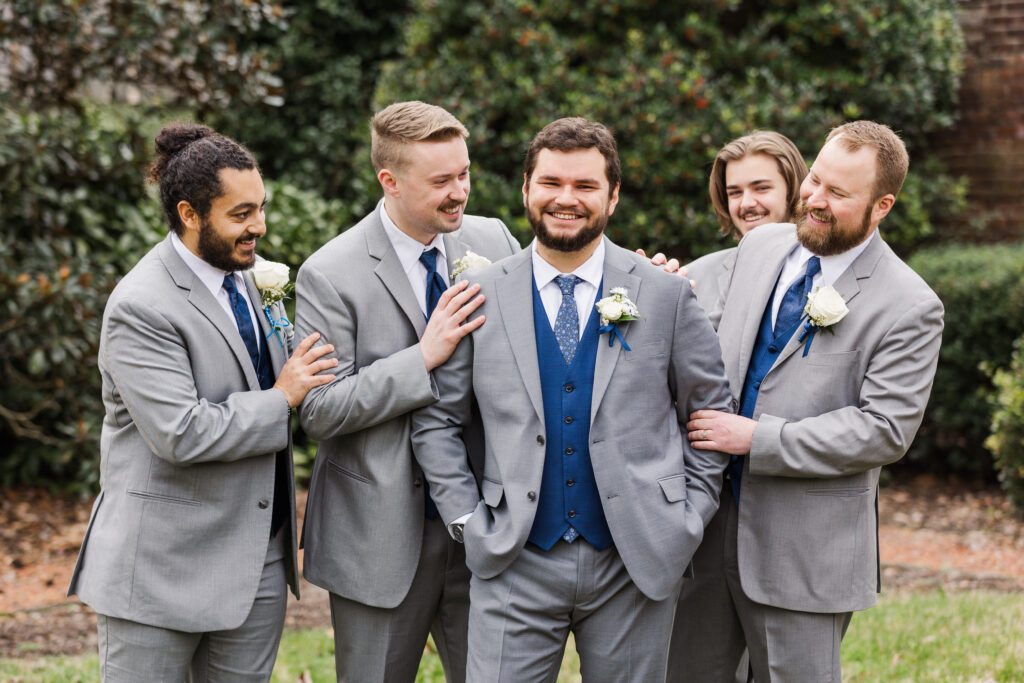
982,288
1007,439
677,80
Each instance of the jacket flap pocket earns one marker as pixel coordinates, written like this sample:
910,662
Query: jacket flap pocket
674,487
492,492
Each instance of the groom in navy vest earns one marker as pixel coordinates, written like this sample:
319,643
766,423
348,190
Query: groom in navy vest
591,502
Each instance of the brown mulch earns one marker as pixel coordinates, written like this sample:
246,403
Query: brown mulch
933,534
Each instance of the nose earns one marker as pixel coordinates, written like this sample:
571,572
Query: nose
566,196
259,225
461,191
812,195
747,200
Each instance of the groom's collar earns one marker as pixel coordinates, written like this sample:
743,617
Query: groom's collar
590,270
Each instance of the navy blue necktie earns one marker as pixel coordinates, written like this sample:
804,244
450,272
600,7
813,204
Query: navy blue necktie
435,283
567,321
795,300
241,310
435,288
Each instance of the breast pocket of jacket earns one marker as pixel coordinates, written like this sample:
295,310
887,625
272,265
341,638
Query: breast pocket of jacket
831,380
645,349
493,492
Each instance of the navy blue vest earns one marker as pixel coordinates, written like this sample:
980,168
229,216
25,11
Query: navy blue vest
568,491
767,348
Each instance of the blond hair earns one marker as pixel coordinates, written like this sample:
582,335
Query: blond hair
775,145
401,124
891,161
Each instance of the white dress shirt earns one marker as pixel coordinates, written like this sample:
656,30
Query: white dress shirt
213,279
409,250
590,272
831,268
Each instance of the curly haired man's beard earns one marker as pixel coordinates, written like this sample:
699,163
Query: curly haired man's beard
219,252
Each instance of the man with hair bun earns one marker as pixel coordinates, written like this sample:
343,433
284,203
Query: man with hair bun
191,543
380,294
830,342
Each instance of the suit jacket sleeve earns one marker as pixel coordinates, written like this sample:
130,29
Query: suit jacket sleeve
151,369
876,432
360,397
697,374
437,437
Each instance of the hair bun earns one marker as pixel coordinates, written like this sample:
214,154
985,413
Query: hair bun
173,139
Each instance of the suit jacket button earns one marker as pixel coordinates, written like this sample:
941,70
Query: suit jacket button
532,495
540,439
263,504
417,482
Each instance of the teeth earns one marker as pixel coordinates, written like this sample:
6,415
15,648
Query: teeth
753,216
564,216
820,216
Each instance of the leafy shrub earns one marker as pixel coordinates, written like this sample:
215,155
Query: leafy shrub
1007,439
982,288
677,80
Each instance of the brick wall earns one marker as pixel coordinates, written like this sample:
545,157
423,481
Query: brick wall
987,142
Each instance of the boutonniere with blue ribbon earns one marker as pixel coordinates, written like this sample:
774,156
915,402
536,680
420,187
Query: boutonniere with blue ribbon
614,309
273,282
825,307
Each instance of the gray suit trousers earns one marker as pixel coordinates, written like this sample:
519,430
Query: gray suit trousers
715,619
132,652
379,644
520,620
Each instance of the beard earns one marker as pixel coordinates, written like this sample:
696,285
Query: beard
219,252
592,230
833,240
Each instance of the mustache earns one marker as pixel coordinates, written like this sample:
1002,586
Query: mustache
450,206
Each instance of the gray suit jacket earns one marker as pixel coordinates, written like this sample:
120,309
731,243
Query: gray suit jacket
364,514
710,274
657,492
179,532
827,422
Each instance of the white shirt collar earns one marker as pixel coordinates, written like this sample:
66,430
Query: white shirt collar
832,266
210,276
409,249
589,271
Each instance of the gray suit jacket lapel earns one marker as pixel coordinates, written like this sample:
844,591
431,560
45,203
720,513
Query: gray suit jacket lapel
200,297
275,341
756,291
515,301
847,285
617,273
390,272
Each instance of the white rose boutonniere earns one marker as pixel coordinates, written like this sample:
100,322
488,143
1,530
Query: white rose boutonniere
614,309
272,279
825,307
470,261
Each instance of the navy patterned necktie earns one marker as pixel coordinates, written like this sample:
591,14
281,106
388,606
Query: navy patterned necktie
795,300
435,283
567,322
242,319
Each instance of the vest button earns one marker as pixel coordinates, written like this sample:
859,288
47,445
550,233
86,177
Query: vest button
532,495
570,450
757,385
569,388
572,513
568,419
570,482
773,349
540,439
263,504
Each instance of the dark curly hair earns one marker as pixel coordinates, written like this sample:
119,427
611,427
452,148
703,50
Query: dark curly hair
189,159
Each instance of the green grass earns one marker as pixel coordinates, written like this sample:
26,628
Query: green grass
963,637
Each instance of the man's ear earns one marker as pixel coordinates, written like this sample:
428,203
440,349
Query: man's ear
526,189
388,181
189,218
882,207
613,201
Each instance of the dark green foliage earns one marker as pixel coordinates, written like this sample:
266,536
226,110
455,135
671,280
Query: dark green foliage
328,61
73,214
61,51
982,289
1007,439
677,80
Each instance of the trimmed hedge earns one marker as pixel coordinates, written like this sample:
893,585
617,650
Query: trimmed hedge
982,288
1007,439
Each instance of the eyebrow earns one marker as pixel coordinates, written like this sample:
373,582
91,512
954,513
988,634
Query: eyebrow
442,176
577,181
752,182
246,205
